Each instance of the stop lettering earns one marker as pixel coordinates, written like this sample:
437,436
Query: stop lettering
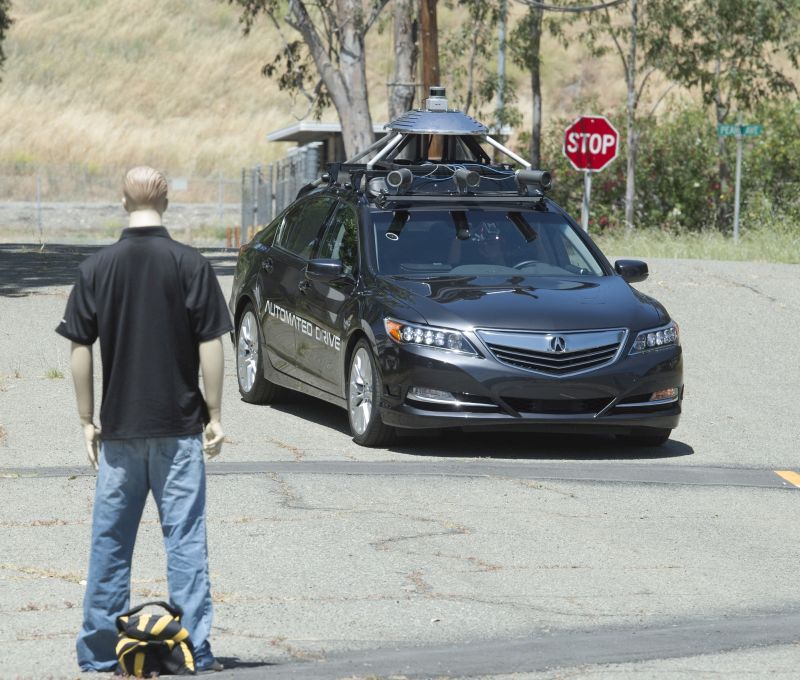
591,143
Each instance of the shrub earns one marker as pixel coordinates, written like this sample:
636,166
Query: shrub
677,173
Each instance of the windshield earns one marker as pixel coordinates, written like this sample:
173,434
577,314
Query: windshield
479,242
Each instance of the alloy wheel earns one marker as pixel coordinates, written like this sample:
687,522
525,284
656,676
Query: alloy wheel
361,392
247,352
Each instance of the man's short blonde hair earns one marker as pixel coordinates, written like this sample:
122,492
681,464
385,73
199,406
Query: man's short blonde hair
145,187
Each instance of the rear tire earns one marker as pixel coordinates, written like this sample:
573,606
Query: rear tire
253,386
649,437
364,388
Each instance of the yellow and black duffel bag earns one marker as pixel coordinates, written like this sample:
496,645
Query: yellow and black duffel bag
152,644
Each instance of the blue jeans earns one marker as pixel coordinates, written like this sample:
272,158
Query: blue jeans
174,470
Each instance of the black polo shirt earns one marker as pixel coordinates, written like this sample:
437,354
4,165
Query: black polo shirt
151,301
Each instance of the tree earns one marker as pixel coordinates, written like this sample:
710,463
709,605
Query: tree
5,24
727,49
467,53
631,27
525,44
328,64
526,48
401,94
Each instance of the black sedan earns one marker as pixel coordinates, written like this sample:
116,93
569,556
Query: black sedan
452,313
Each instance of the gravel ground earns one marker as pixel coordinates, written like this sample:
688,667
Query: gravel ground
310,566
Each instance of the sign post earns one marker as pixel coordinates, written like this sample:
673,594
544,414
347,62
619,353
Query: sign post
590,144
587,195
740,132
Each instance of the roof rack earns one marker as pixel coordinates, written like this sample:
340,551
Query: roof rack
432,182
464,172
386,200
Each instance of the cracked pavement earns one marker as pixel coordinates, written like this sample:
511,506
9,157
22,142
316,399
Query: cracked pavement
375,574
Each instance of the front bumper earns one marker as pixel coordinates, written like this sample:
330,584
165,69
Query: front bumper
613,399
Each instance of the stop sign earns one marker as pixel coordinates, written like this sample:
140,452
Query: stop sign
591,143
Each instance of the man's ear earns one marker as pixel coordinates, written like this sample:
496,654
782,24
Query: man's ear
125,203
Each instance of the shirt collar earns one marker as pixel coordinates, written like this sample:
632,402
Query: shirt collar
131,232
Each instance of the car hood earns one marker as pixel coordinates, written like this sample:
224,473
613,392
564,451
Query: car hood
526,303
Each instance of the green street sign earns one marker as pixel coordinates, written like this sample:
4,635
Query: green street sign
733,130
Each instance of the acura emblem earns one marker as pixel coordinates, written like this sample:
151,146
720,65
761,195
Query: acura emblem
557,344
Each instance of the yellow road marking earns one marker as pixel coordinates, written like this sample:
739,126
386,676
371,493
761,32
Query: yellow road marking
790,476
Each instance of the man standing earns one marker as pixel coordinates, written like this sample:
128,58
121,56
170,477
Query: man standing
159,313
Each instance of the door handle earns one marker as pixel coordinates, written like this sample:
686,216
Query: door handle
267,265
303,286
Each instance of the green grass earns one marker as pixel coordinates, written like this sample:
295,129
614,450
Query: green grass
54,374
777,244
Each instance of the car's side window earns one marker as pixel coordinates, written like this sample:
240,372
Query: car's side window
340,241
302,226
267,235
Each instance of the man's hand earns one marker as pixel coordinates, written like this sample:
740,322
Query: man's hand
91,436
212,366
213,437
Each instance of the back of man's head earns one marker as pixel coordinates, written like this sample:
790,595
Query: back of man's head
144,188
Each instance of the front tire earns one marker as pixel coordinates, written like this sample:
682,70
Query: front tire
364,387
253,386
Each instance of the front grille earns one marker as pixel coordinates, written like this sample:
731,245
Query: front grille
558,406
554,363
584,350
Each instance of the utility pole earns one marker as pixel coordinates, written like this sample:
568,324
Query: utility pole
429,42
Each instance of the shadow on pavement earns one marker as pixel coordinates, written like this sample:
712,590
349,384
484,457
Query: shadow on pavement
25,266
232,663
498,445
312,409
536,446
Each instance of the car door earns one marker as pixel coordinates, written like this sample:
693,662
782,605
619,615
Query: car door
282,279
330,305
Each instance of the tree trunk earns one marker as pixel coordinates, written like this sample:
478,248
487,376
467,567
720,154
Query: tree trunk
724,172
401,96
473,53
353,97
502,46
536,15
347,84
630,78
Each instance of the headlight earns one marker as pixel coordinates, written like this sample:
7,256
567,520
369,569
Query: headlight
428,336
666,336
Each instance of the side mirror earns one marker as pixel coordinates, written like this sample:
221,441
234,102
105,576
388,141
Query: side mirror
323,270
632,271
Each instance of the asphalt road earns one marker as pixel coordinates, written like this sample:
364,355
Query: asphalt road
459,556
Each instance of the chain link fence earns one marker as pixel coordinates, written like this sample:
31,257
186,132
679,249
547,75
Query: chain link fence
267,190
73,203
76,203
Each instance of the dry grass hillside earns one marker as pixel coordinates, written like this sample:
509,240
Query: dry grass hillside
110,83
